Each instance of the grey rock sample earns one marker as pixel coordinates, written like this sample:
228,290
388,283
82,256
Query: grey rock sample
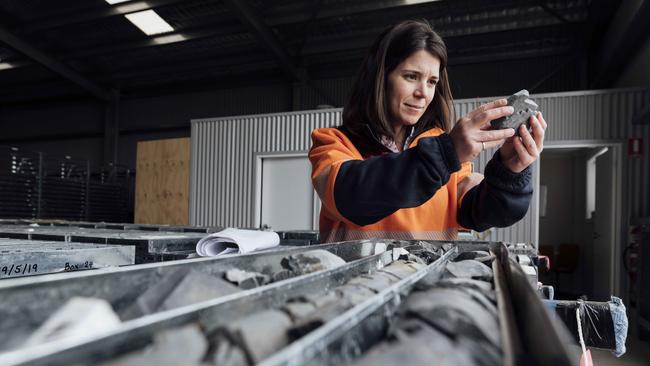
178,288
311,261
447,246
454,312
375,282
196,287
177,346
259,335
471,255
320,300
524,108
478,255
150,300
481,291
468,269
417,345
298,309
482,286
450,321
471,351
228,353
356,294
333,303
417,254
323,314
246,280
425,255
282,275
482,353
402,269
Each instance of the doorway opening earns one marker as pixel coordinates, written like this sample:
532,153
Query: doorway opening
580,219
283,195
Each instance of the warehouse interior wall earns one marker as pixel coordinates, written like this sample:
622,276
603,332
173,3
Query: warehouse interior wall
549,74
637,73
76,127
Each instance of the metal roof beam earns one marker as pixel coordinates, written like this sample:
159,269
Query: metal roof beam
308,26
627,32
553,12
514,54
358,7
453,38
206,31
361,7
233,61
267,35
158,40
52,64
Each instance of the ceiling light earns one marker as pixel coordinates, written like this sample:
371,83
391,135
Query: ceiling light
171,38
6,66
115,1
412,2
149,22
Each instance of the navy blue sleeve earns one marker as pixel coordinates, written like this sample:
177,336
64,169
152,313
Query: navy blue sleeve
366,191
500,200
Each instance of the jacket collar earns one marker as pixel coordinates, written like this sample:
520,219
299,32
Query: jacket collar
367,141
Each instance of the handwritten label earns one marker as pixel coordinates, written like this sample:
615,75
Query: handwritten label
77,266
26,269
16,269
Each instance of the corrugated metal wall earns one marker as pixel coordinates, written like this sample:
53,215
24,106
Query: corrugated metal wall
221,187
222,175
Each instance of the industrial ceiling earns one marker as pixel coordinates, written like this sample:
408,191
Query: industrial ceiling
88,48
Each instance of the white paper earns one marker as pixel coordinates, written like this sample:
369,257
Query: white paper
236,241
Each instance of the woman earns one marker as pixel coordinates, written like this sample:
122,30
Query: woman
397,169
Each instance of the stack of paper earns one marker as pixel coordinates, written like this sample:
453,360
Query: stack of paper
236,241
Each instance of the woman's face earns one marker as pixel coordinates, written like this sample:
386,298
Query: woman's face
411,87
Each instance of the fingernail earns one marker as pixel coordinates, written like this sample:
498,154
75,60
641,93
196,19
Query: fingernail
510,109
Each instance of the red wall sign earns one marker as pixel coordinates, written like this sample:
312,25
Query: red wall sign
634,147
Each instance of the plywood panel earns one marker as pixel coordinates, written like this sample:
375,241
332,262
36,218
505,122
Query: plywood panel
162,182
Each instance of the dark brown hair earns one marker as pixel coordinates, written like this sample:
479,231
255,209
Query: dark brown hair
368,102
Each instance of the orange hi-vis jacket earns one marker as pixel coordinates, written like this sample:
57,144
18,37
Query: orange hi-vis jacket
374,193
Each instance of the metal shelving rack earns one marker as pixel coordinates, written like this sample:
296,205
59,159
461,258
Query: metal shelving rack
35,185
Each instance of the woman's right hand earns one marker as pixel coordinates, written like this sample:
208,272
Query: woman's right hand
472,133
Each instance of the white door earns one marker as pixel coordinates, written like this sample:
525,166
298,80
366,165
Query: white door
287,196
604,240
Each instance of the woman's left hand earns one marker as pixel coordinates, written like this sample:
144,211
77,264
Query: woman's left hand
519,152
